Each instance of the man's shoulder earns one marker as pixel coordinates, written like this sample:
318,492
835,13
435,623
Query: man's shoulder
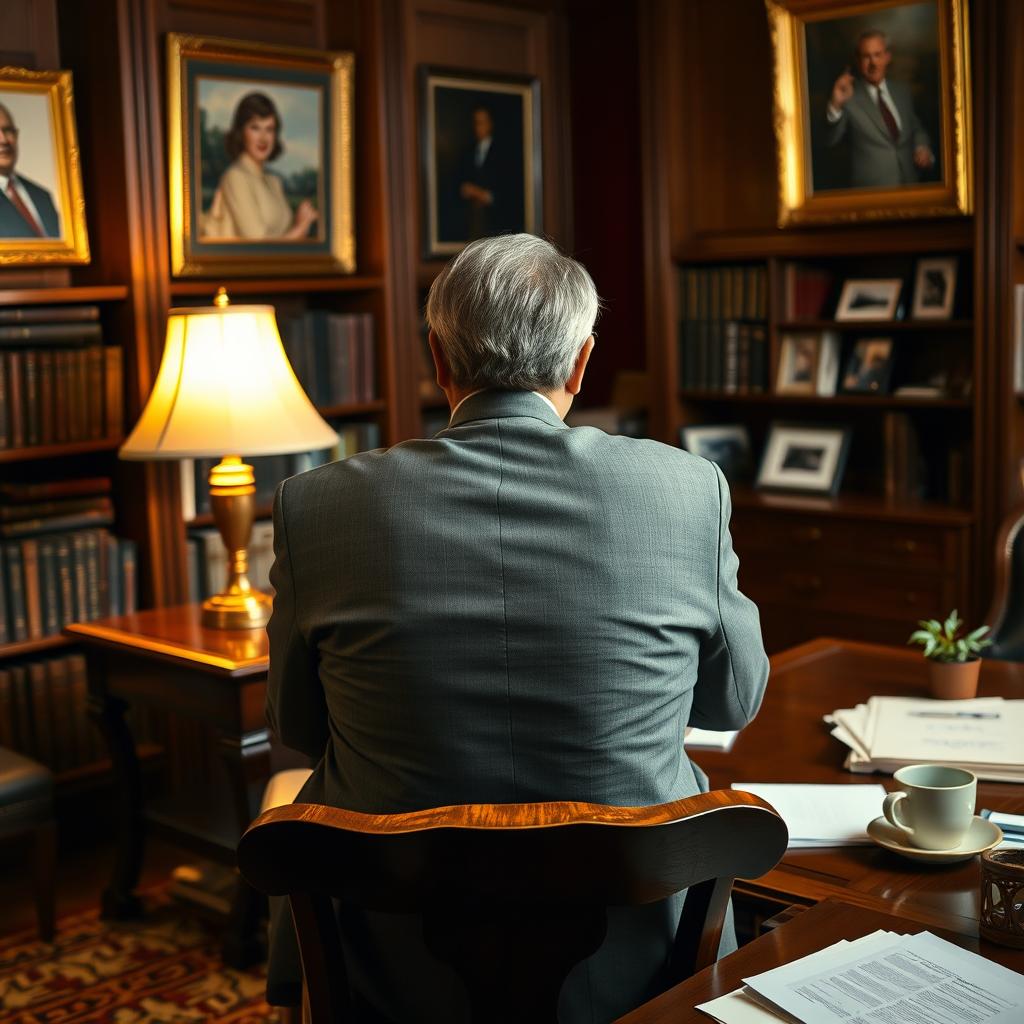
33,187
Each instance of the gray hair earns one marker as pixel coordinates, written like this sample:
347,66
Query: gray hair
872,33
512,312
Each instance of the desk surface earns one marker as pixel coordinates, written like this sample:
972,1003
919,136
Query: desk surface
177,634
807,932
789,742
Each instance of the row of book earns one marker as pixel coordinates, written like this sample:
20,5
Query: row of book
43,712
59,383
270,470
723,355
58,561
332,355
728,292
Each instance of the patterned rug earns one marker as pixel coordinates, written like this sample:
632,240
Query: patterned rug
162,970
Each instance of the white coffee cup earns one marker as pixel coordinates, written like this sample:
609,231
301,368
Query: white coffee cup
934,806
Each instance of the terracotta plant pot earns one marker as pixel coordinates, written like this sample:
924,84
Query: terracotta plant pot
954,680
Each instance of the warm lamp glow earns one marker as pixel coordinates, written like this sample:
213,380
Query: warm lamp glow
225,385
226,388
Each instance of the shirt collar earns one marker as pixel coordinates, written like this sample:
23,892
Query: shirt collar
492,403
543,398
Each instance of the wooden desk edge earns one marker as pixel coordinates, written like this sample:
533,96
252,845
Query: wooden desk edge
117,639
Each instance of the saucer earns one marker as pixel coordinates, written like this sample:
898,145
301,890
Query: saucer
982,835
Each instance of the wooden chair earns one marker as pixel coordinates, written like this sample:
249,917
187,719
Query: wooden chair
1006,616
512,895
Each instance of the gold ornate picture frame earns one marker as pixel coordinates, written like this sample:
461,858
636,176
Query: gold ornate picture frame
844,155
260,152
42,208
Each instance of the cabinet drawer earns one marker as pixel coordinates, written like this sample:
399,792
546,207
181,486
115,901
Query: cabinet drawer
906,596
826,541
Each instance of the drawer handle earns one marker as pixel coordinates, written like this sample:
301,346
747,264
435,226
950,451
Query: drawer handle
808,533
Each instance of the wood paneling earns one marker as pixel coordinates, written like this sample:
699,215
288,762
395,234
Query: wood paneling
28,34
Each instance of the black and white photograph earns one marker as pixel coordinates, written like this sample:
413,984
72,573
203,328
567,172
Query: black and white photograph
727,445
808,364
804,458
934,288
870,299
869,367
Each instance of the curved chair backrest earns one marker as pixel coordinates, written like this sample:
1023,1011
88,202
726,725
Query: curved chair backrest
1006,615
512,895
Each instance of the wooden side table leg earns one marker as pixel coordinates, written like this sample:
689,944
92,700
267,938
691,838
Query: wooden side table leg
247,759
119,901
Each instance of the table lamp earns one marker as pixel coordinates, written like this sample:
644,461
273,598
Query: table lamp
225,385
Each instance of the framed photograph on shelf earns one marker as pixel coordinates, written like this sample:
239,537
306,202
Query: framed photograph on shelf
804,458
870,299
872,110
261,159
934,288
869,368
42,211
480,157
728,446
808,364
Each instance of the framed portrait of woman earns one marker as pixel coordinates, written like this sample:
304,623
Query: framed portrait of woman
872,109
261,162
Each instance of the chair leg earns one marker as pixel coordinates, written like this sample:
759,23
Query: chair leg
44,870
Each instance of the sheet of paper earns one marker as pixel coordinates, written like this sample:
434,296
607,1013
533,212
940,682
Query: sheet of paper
709,739
919,978
822,815
968,731
739,1008
1012,826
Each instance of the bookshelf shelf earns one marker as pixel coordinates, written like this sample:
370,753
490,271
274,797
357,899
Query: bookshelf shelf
272,285
895,326
62,296
853,505
23,647
88,775
51,451
850,401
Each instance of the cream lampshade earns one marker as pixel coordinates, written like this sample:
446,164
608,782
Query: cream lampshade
225,385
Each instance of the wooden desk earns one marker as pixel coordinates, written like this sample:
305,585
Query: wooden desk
789,742
807,932
164,659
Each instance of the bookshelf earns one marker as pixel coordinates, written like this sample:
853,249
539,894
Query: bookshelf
868,562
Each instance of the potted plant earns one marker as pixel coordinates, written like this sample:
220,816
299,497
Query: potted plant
953,660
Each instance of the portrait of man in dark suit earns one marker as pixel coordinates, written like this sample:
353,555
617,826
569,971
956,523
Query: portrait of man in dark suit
480,159
874,114
27,209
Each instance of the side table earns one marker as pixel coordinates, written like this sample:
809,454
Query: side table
165,660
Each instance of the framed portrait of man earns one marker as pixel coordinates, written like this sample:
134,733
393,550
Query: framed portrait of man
260,146
480,157
872,118
42,211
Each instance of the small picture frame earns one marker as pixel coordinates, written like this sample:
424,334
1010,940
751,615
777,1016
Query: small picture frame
804,458
727,445
869,368
42,209
934,288
808,364
870,299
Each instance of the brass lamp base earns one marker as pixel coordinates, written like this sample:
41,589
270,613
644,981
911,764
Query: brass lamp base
232,498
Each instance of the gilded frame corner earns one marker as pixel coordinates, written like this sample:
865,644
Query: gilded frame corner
72,246
191,260
797,203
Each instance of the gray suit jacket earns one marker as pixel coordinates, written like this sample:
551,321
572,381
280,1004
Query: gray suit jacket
511,611
875,160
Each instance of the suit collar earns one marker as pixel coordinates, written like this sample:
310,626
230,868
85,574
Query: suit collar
492,405
874,113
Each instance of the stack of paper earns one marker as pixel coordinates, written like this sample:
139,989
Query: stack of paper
981,735
821,815
709,739
1012,826
882,977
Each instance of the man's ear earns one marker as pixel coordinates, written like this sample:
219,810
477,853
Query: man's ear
575,381
444,374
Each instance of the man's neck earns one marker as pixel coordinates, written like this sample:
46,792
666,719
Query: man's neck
456,396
